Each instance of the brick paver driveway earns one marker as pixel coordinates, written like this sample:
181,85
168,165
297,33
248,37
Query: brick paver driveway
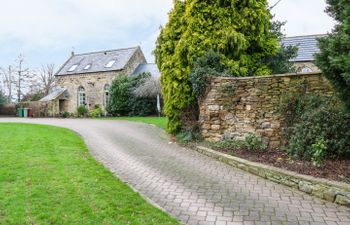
194,188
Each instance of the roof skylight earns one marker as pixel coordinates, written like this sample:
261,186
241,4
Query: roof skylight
110,64
73,68
88,66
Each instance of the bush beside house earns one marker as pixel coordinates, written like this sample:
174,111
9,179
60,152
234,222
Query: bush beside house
124,103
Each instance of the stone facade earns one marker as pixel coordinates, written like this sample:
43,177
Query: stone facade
236,107
94,85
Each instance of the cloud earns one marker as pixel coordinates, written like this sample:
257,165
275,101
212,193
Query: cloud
45,31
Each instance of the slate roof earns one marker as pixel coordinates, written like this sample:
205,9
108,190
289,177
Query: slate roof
151,68
53,95
307,46
98,61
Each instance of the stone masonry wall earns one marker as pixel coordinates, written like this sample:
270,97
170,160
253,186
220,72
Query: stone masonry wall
94,84
236,107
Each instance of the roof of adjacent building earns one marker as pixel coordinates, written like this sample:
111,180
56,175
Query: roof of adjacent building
151,68
54,94
97,61
307,46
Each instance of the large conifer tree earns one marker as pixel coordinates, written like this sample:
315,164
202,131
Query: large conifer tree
238,30
334,59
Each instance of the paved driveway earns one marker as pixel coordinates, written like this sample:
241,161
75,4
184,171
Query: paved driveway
194,188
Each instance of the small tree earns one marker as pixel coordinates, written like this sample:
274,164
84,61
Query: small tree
334,58
238,30
2,98
124,103
119,96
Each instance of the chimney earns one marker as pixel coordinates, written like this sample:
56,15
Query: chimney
72,53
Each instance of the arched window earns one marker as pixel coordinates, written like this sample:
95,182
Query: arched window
106,95
306,70
81,96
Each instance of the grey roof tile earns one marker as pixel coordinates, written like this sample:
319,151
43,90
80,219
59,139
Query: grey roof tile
307,46
53,95
98,61
147,68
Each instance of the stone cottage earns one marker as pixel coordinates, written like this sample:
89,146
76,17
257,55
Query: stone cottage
307,48
85,79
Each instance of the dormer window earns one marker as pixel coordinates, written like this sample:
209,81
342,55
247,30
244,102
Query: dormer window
88,66
72,68
110,64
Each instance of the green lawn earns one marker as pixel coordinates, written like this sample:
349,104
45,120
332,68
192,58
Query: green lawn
158,121
47,176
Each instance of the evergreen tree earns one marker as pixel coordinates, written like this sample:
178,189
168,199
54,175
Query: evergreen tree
238,30
334,58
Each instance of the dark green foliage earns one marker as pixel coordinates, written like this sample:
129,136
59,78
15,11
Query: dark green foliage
185,137
328,122
2,99
238,30
334,58
313,121
82,110
205,67
254,143
280,63
124,103
65,115
119,96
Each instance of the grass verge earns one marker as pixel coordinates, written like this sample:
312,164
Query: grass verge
47,176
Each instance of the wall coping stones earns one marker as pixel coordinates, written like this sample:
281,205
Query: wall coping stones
268,76
333,191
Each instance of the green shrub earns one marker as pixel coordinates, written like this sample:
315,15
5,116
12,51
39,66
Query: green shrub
231,145
96,112
124,103
254,143
82,111
329,122
65,115
185,137
319,151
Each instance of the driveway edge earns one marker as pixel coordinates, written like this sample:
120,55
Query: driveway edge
331,191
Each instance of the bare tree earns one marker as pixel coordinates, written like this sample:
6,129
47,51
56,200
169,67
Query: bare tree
8,81
23,77
46,78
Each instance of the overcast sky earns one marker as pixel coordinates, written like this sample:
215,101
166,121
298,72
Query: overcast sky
46,31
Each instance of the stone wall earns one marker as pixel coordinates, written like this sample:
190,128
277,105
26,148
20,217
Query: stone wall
93,84
236,107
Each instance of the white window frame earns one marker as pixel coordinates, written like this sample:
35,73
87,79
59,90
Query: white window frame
306,69
88,66
72,68
106,95
110,63
81,96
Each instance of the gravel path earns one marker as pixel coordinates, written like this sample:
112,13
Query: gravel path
194,188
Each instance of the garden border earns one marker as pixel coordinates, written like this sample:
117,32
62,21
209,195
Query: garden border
332,191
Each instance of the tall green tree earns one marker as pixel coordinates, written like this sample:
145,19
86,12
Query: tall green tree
2,98
334,58
238,30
